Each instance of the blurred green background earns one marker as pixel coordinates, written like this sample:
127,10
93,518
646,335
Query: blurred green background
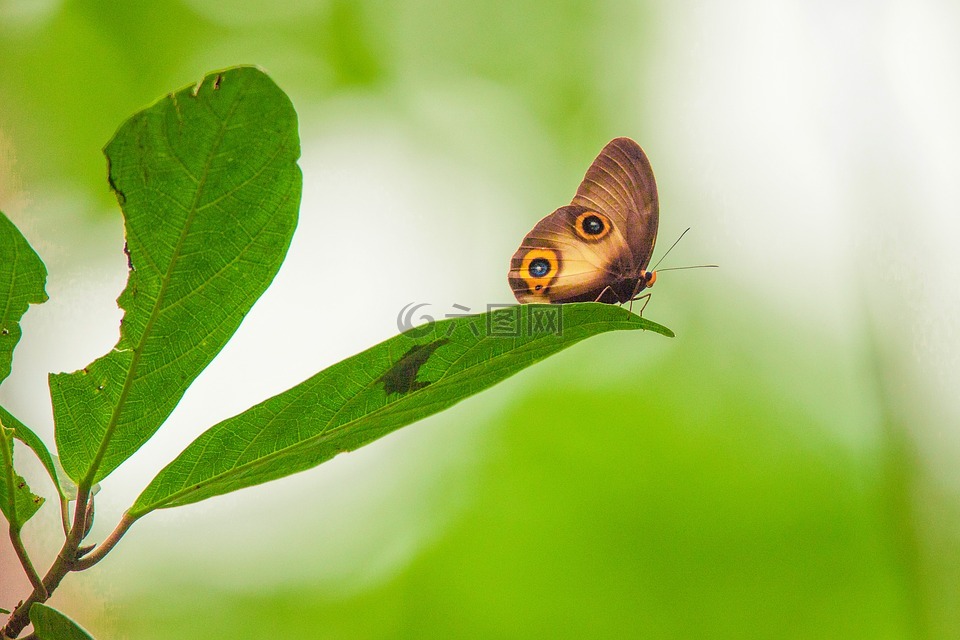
786,467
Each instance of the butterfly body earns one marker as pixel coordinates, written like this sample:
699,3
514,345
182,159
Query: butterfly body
598,247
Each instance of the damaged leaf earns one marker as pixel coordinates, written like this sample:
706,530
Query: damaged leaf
362,398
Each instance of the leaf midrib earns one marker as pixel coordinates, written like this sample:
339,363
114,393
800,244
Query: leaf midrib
87,480
443,380
327,431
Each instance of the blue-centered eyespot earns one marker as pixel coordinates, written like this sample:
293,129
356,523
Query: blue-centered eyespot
592,225
539,267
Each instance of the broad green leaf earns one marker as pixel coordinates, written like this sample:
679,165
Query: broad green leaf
50,624
17,502
22,277
210,189
25,435
362,398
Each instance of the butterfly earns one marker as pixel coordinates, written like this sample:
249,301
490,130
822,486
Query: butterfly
597,248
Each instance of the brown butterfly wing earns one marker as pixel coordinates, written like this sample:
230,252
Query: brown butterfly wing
576,268
620,184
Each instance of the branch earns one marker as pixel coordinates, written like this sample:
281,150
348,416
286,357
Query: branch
108,543
61,566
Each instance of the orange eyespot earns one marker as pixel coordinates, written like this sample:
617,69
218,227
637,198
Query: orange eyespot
538,269
592,226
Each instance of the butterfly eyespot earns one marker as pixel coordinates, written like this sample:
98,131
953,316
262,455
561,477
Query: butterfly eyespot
592,226
539,267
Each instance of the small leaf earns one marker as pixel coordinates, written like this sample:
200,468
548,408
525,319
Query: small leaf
362,398
67,485
50,624
22,278
22,433
210,188
17,502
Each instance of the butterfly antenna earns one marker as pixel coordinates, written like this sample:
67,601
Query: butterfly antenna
670,249
696,266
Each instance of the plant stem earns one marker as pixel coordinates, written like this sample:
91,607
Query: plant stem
108,543
65,515
61,566
15,524
25,559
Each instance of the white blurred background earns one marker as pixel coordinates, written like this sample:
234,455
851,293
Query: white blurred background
811,146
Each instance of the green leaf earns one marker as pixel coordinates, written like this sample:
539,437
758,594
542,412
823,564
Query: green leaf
22,277
50,624
25,435
68,488
67,485
210,189
17,502
362,398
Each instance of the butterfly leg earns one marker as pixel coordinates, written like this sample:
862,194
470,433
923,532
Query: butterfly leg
645,297
641,284
605,289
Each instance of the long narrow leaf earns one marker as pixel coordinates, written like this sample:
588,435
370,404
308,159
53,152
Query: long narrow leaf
22,279
17,502
210,189
25,435
360,399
